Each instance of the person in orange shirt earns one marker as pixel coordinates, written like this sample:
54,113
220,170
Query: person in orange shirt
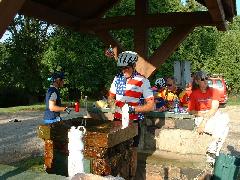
204,104
184,95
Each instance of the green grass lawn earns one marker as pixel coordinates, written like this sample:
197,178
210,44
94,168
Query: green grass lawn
41,107
37,107
233,100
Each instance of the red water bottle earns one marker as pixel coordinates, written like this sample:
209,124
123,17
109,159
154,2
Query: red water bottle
76,105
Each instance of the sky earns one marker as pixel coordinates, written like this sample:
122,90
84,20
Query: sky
238,7
238,13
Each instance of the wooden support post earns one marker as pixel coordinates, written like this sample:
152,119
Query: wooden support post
140,31
141,38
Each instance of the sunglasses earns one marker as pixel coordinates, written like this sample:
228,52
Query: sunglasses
125,67
203,79
169,84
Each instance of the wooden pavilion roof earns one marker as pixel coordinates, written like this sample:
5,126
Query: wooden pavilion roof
88,16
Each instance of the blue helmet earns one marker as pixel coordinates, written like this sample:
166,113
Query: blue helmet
56,75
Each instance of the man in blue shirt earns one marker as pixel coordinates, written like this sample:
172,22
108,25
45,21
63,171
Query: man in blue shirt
53,99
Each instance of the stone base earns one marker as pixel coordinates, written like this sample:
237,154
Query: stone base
165,165
173,135
182,141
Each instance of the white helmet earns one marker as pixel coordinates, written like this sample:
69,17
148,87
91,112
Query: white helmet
127,58
160,82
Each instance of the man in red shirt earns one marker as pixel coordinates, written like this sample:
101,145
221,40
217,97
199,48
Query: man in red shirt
204,103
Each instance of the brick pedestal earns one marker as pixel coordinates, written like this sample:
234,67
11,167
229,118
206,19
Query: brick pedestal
107,147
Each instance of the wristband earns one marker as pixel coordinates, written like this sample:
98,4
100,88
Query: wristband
131,110
67,110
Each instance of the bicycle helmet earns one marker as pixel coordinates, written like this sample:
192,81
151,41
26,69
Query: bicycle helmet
127,58
160,82
56,75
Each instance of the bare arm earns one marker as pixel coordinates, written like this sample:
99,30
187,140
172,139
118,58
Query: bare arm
206,116
212,111
54,107
149,106
111,101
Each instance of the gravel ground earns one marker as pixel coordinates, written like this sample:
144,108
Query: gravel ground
18,135
232,143
19,140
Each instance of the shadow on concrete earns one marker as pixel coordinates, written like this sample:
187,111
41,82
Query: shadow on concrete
12,173
22,166
146,148
232,151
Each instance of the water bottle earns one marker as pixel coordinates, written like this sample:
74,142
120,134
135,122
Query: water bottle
125,116
76,106
75,149
86,107
176,106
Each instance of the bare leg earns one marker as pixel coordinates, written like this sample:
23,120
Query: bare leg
133,167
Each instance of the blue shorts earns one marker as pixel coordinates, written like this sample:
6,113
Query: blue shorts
50,121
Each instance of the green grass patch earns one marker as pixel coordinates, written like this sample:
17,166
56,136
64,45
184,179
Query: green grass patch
233,100
41,107
35,164
36,107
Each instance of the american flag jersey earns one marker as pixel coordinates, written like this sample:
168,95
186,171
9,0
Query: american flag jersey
132,91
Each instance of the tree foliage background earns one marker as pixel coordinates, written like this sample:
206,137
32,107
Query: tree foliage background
35,49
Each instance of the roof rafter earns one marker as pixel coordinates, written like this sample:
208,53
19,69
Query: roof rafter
216,11
156,20
50,15
6,17
105,8
230,9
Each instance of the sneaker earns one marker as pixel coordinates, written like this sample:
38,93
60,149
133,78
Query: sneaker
211,159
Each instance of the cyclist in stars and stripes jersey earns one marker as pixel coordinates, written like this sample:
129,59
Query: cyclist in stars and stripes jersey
134,89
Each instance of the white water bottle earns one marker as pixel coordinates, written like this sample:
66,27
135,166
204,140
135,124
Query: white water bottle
75,148
125,116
